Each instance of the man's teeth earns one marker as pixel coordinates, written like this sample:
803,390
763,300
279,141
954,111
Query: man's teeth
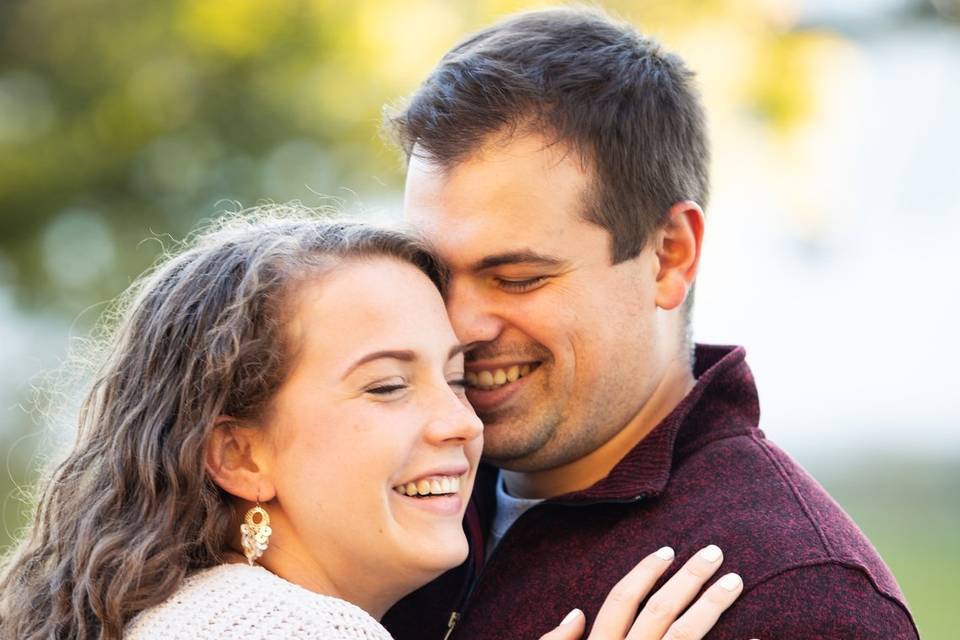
493,378
435,486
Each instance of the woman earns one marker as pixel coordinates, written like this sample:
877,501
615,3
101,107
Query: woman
277,445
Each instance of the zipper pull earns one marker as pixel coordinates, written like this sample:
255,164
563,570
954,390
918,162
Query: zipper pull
451,623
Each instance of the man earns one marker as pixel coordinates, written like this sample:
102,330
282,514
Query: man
558,160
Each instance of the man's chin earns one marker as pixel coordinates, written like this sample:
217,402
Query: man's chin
514,456
517,440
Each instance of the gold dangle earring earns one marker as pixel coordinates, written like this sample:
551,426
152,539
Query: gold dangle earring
255,534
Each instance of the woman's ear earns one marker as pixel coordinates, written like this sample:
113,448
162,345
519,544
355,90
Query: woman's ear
678,253
236,458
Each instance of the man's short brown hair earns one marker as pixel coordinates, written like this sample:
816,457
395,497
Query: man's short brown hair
626,106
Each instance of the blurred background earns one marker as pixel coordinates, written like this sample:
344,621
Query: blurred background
830,249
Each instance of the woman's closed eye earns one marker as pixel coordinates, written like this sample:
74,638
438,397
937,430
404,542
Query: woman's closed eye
386,388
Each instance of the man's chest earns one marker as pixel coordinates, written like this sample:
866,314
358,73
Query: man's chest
554,559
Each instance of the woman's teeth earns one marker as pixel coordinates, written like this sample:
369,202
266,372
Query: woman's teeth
493,378
435,486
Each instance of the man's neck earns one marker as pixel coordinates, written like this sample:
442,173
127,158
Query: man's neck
596,465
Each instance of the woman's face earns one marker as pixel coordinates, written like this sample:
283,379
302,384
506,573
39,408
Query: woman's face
373,410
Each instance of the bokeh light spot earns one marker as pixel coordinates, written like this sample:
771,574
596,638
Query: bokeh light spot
78,248
26,110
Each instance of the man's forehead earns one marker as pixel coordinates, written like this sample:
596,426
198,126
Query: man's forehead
474,198
475,185
472,242
517,166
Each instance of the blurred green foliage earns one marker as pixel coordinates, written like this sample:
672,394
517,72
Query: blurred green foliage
121,119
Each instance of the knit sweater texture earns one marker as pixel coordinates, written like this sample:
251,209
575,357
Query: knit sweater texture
238,601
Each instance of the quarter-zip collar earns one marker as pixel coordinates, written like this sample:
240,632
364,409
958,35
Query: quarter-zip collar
696,420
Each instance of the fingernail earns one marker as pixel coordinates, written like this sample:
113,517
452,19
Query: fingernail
573,615
711,553
730,582
664,553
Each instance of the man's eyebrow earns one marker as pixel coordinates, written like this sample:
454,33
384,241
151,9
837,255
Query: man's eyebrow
523,256
404,355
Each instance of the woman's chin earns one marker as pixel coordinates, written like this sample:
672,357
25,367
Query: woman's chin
442,555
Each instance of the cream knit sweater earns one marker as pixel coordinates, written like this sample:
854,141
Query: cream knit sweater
234,601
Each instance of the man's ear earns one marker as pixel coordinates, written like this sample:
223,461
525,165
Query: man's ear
236,459
678,244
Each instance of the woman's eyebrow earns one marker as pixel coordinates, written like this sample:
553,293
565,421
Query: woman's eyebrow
404,355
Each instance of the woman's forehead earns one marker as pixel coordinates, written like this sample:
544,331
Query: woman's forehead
370,304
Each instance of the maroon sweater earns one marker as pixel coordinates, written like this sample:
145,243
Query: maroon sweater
705,475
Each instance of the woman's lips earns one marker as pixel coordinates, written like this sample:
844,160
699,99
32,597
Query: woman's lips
438,494
432,485
443,505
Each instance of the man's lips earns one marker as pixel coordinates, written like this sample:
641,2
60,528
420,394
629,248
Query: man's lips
487,398
491,375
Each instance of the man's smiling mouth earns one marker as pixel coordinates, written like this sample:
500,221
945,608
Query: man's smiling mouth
490,378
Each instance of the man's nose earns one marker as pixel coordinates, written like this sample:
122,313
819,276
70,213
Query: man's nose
471,313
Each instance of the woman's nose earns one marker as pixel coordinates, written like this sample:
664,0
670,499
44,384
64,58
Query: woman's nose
453,420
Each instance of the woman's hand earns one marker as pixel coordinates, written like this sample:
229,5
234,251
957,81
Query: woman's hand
618,619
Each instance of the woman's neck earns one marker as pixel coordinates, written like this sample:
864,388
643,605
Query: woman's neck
367,592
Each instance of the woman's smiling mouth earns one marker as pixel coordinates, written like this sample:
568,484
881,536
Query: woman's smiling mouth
439,494
438,485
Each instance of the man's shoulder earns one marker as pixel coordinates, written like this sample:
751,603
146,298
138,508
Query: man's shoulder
794,546
758,501
820,600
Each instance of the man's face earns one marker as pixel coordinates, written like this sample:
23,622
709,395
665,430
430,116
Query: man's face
566,346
